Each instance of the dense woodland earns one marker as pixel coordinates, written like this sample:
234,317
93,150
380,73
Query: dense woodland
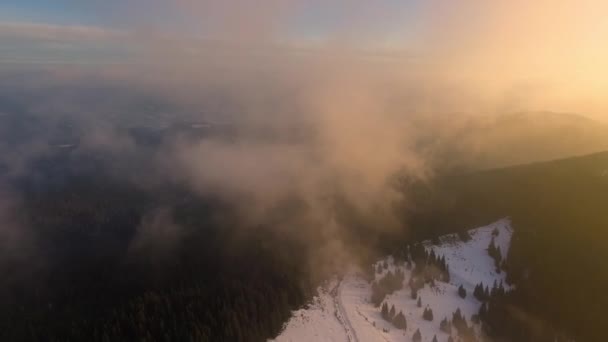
86,279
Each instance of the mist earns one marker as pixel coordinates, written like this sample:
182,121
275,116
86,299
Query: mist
187,146
344,113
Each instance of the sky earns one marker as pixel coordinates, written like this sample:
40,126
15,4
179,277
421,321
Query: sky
68,31
555,48
300,19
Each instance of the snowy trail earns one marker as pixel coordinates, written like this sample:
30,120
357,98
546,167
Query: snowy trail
354,337
342,315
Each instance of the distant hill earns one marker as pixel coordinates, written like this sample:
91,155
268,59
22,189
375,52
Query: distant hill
490,141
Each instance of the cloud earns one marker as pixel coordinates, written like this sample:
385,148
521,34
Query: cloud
237,63
48,32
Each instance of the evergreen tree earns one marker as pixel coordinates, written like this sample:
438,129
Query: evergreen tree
432,258
492,247
434,339
494,291
483,311
495,253
384,312
501,290
391,313
419,304
400,321
378,294
427,314
462,292
417,337
480,293
459,322
476,292
444,325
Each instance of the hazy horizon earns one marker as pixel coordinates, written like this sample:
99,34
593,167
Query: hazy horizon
530,56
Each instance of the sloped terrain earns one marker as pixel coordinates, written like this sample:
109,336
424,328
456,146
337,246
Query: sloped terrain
343,310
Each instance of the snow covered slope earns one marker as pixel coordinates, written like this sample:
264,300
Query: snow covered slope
343,311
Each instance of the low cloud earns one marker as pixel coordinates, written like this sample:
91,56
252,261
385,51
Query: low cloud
365,116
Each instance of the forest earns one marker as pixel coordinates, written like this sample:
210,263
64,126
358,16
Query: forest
89,279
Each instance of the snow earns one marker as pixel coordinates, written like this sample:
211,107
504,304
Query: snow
469,261
342,310
319,322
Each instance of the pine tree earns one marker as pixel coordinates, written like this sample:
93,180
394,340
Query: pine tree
462,292
385,311
494,290
427,314
432,258
483,311
501,289
476,292
435,339
459,322
419,304
444,325
479,292
399,321
378,294
492,247
391,313
417,336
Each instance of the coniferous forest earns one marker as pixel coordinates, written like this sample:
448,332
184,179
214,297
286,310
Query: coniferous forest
92,276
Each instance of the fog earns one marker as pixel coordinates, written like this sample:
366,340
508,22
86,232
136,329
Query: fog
378,100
